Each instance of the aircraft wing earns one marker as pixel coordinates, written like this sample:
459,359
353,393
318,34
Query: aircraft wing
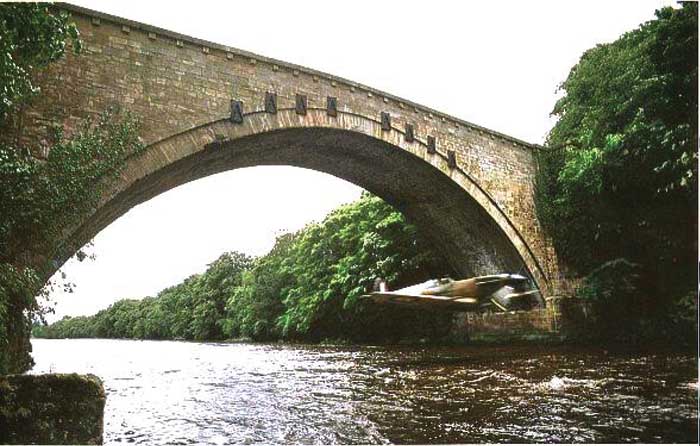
397,297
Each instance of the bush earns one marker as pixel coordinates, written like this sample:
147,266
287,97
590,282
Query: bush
619,178
614,290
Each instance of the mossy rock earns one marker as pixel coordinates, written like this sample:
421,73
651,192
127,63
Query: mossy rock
51,409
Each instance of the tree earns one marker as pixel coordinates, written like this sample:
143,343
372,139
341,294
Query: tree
213,291
336,261
254,306
618,178
307,287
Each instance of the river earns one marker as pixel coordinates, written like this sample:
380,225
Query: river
165,392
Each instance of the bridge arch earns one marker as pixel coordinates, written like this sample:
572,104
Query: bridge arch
471,192
446,204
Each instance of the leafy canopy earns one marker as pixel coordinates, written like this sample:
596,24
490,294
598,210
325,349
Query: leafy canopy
619,178
617,187
307,287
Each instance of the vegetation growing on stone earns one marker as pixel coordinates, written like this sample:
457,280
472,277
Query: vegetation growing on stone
31,37
40,198
619,177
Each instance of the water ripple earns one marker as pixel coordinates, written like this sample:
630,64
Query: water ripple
214,393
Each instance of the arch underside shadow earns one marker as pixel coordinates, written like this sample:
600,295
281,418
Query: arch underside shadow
450,218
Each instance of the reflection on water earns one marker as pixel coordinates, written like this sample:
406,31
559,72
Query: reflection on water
187,393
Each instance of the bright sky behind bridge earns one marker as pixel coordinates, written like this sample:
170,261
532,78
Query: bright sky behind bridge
496,64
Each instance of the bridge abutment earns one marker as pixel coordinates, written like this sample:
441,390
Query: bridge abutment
564,318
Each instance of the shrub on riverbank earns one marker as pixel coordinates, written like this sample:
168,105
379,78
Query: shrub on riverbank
619,176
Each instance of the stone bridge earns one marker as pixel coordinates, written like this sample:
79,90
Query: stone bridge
207,108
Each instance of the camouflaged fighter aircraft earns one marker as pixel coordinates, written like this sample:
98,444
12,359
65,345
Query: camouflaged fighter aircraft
499,292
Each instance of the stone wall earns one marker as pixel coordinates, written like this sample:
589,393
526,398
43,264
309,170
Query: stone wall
562,319
51,409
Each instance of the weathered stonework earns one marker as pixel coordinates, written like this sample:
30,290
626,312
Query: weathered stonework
51,409
469,189
562,319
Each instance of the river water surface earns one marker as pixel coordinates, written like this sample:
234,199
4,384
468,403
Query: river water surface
162,392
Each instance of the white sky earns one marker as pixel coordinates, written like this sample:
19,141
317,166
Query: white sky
496,64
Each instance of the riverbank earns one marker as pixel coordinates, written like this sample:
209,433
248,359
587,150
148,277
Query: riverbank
564,321
534,340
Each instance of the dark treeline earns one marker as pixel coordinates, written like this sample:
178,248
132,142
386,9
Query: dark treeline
617,187
306,288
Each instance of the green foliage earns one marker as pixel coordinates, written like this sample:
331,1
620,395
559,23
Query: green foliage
211,293
614,289
40,199
619,179
35,197
16,296
307,287
253,307
623,173
36,194
31,37
192,310
334,262
683,319
626,312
